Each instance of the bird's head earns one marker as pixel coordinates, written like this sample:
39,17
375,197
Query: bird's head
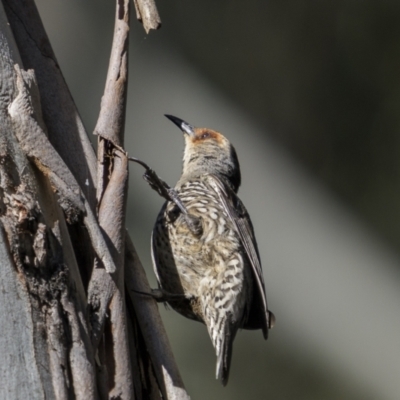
208,151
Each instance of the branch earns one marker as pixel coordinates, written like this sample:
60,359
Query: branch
111,121
106,292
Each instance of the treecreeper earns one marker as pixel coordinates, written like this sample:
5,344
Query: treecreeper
206,258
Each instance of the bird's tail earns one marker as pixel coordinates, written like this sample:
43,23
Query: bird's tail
224,355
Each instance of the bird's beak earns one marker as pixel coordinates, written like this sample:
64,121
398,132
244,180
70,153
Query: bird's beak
182,125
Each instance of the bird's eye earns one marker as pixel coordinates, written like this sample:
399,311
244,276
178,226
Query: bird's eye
205,135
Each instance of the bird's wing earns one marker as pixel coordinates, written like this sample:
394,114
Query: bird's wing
154,254
154,258
241,221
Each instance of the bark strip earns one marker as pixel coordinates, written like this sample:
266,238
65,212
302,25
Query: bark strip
106,292
147,14
157,343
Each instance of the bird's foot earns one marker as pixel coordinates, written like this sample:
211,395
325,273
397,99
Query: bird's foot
152,179
162,296
161,187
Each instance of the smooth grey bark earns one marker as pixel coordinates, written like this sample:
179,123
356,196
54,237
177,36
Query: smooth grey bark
16,339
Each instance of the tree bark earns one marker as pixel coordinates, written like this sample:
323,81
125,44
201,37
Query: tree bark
68,330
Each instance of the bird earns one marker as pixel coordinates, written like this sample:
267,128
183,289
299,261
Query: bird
204,251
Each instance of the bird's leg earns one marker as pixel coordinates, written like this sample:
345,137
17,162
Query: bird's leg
162,296
170,194
153,180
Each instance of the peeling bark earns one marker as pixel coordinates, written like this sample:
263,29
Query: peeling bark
36,246
147,14
68,329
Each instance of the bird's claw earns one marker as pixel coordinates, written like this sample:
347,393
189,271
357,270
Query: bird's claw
161,187
162,296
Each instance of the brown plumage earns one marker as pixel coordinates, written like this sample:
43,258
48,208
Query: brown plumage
211,274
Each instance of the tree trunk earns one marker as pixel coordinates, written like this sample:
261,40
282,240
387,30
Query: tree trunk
71,324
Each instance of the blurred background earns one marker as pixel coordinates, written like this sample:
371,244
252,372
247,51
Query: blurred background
309,93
